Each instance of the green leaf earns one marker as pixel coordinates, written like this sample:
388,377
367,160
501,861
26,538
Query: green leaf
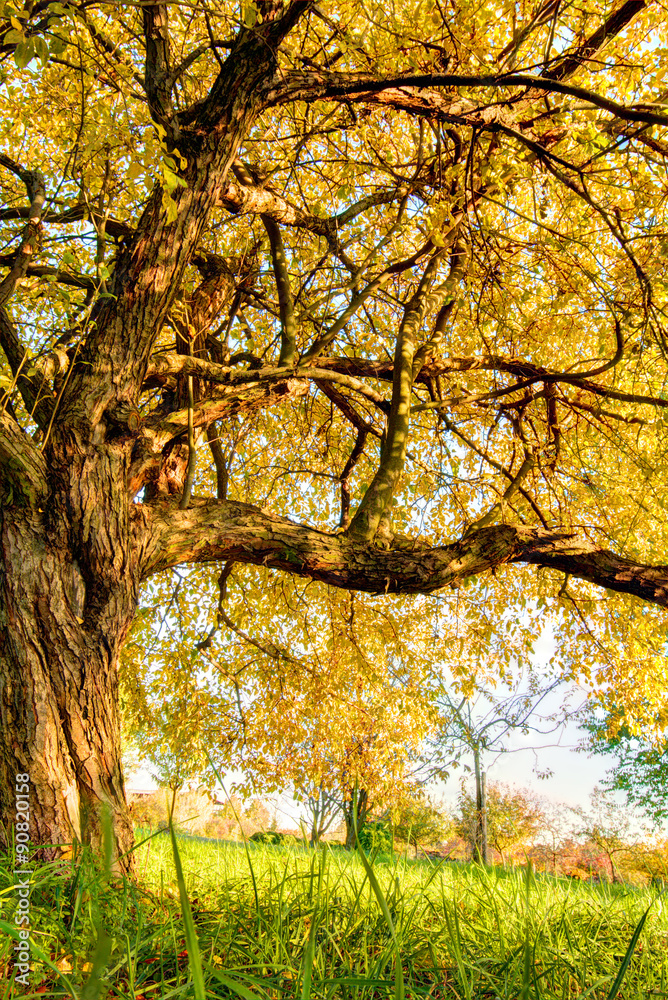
250,14
172,180
41,50
24,52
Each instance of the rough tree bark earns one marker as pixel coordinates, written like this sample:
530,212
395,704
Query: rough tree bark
66,603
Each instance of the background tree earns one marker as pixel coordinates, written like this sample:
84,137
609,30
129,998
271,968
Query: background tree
514,816
640,762
418,821
607,826
322,809
353,755
556,830
470,731
319,697
373,296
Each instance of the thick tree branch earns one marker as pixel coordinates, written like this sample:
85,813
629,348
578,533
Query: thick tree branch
248,195
151,264
414,93
219,461
35,390
570,62
157,75
457,271
528,371
84,281
256,49
212,531
242,195
285,303
23,471
35,186
114,227
166,365
378,496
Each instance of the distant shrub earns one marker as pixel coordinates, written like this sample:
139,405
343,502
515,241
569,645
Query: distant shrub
274,837
265,837
376,837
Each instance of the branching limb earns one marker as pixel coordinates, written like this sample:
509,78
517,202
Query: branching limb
346,408
377,499
246,195
192,450
222,597
530,373
160,433
84,281
166,366
273,651
285,303
35,185
344,478
457,270
498,509
115,227
568,63
219,462
494,464
192,57
322,342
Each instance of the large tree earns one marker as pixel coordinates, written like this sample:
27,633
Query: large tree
373,295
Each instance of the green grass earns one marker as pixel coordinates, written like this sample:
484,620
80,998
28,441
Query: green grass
278,923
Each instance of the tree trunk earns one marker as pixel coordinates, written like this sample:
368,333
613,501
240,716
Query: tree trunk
480,840
67,596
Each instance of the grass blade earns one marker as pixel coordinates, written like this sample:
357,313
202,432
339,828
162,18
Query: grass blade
526,966
192,944
614,989
399,988
241,830
235,987
93,986
309,955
